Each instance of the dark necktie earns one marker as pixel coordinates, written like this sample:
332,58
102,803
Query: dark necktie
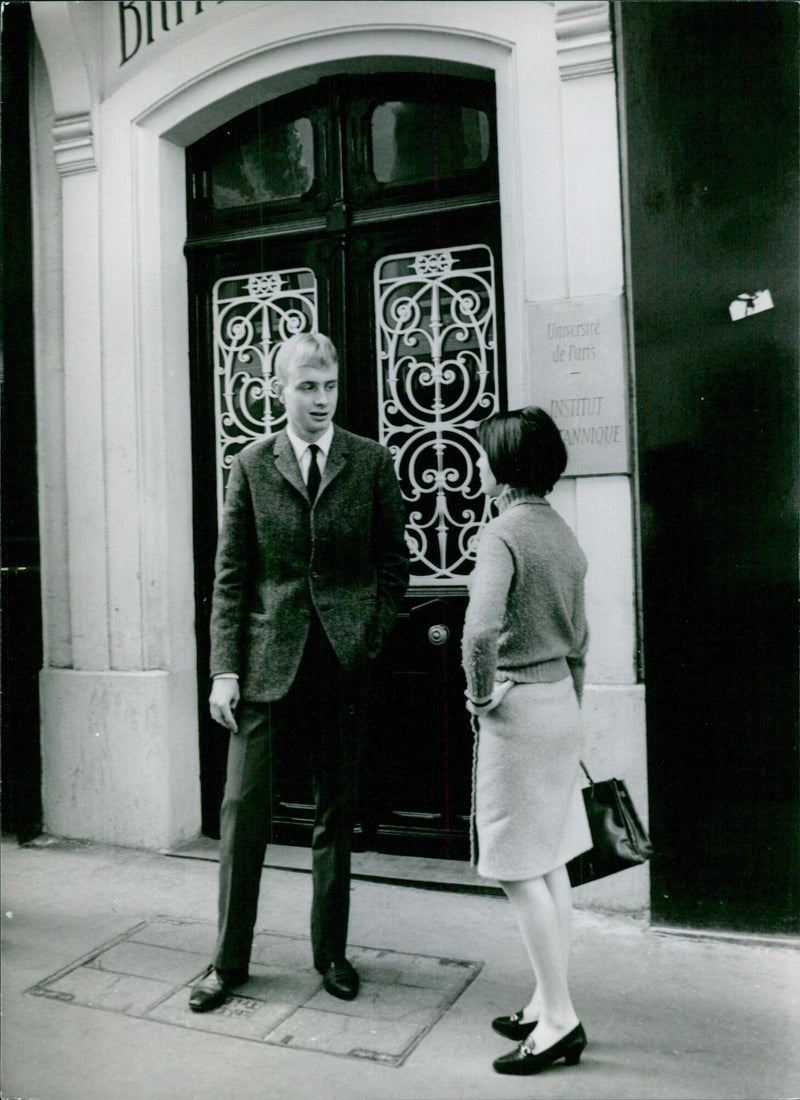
314,475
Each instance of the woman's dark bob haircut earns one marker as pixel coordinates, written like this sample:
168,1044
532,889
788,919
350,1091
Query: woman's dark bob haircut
524,448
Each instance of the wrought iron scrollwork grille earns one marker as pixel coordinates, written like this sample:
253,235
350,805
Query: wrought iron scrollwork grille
253,315
437,379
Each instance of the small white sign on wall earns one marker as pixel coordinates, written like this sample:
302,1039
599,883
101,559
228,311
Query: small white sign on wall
576,372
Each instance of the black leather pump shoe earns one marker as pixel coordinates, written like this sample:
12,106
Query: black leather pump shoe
523,1061
513,1027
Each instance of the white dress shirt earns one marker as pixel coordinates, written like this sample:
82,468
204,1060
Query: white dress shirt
303,454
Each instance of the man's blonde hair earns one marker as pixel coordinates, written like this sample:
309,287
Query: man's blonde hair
305,349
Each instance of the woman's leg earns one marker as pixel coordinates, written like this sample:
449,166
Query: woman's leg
561,891
540,920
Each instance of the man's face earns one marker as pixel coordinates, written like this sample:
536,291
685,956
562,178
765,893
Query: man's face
310,394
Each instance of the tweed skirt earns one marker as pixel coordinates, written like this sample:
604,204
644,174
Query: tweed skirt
528,811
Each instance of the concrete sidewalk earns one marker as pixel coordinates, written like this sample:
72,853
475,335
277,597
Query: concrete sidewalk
99,945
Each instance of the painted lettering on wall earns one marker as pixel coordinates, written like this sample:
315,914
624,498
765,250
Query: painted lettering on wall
140,24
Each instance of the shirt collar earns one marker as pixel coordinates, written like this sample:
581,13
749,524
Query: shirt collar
300,446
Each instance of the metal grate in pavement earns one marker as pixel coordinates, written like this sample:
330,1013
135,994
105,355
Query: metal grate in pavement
147,973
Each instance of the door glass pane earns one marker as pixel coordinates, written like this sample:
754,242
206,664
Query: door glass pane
271,165
253,315
427,140
435,314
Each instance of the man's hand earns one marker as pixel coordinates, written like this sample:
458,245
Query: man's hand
223,701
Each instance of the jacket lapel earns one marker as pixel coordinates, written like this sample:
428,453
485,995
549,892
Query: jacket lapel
286,463
337,460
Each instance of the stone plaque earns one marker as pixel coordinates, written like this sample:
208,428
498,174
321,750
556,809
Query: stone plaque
577,373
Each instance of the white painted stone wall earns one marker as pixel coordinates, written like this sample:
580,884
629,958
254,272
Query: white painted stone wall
119,722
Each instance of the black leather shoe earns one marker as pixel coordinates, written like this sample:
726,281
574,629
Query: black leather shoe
513,1027
341,980
213,988
523,1062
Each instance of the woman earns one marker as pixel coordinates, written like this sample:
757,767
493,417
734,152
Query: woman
524,644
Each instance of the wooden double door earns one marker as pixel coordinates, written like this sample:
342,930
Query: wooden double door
366,209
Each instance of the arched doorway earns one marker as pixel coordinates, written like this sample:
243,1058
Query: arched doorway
366,207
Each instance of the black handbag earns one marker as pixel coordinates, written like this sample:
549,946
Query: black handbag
619,840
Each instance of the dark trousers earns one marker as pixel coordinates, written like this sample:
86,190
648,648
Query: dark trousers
317,721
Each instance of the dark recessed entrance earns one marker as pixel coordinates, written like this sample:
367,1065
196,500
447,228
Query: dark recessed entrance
366,208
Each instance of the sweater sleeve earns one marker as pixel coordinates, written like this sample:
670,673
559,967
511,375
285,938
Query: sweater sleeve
576,659
486,612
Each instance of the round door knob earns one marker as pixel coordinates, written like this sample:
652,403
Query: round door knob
438,635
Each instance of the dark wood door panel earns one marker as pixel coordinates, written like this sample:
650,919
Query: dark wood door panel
415,790
423,772
230,264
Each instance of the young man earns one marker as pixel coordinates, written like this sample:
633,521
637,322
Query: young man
311,567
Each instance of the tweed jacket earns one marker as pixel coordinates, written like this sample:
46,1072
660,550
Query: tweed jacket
279,559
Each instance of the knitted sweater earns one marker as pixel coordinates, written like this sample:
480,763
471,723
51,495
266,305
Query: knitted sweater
525,620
